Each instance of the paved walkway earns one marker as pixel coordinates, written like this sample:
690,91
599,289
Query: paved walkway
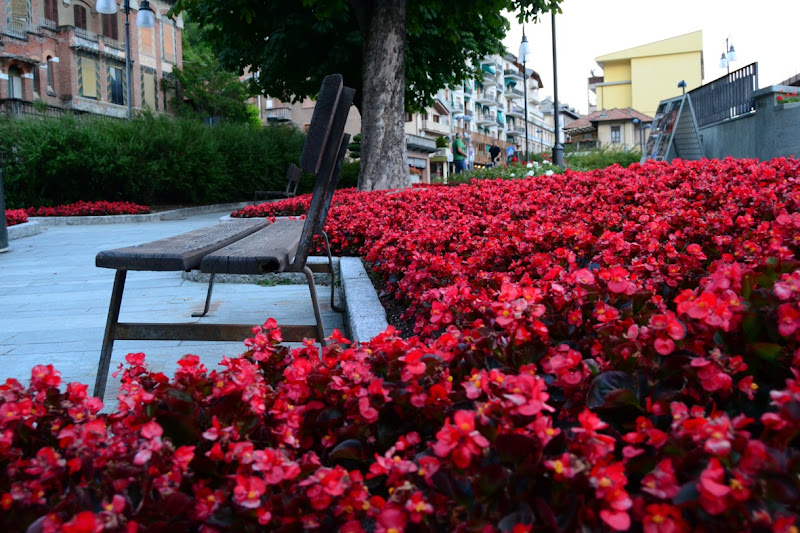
54,303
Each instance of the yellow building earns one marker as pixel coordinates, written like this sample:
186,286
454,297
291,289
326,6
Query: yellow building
642,76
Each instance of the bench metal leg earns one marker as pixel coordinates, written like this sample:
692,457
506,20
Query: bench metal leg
315,303
208,297
108,337
333,275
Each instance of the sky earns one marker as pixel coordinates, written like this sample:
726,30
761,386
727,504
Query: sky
764,31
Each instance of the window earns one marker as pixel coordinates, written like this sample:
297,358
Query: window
149,93
79,13
87,77
50,74
19,11
168,43
616,135
14,82
51,10
115,86
110,26
147,41
36,81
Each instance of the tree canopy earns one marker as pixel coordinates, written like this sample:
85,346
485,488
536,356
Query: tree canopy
294,44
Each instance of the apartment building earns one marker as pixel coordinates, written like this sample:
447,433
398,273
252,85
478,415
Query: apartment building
58,55
486,109
642,76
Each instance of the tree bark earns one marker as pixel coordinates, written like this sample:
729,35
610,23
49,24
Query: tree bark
383,150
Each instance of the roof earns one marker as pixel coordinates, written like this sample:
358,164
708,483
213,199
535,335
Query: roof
589,122
689,42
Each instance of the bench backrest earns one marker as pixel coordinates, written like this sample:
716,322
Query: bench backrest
293,174
319,131
327,174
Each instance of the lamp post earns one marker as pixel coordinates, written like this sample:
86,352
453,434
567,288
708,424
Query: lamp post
541,141
637,122
558,148
144,19
682,85
727,56
524,50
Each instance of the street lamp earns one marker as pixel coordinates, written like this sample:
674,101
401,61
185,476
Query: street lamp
727,56
558,148
638,122
541,141
524,50
682,85
144,19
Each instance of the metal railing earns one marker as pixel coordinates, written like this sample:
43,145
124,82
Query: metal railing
512,72
279,113
727,97
18,28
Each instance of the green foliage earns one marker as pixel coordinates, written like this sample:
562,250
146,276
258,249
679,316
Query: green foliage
442,142
148,160
204,88
510,172
602,158
354,148
349,175
284,40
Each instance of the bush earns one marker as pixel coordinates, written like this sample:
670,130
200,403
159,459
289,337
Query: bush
89,209
349,175
602,158
512,171
148,160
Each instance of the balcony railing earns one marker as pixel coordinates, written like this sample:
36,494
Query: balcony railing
83,34
47,23
111,43
436,127
13,107
279,114
512,72
420,143
18,28
514,93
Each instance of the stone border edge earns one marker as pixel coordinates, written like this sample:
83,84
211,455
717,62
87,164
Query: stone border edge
27,229
364,312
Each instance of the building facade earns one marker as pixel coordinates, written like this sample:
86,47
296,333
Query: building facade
625,129
487,109
642,76
63,55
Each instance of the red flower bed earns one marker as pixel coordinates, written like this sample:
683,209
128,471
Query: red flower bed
16,216
89,209
603,351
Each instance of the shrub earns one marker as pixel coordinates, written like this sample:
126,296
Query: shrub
349,175
512,171
601,158
148,160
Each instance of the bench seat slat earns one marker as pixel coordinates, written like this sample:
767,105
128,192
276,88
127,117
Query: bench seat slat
270,249
180,252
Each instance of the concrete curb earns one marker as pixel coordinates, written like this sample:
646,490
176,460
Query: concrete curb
18,231
175,214
368,318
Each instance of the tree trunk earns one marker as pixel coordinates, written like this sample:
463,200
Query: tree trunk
383,142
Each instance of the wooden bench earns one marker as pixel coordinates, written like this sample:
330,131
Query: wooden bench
292,181
243,246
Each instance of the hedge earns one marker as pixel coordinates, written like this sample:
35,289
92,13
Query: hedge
148,160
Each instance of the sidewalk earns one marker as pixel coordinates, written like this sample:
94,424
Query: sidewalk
54,303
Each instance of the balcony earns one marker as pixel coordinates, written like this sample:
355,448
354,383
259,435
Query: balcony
47,23
468,88
486,98
486,119
516,111
421,144
515,130
514,93
18,28
279,114
513,74
438,128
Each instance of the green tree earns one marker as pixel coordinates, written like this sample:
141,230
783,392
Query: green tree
396,54
204,87
354,148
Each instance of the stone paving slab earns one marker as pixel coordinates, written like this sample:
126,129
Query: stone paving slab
54,302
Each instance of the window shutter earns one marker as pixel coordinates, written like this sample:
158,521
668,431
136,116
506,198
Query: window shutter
79,13
51,10
19,10
110,26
